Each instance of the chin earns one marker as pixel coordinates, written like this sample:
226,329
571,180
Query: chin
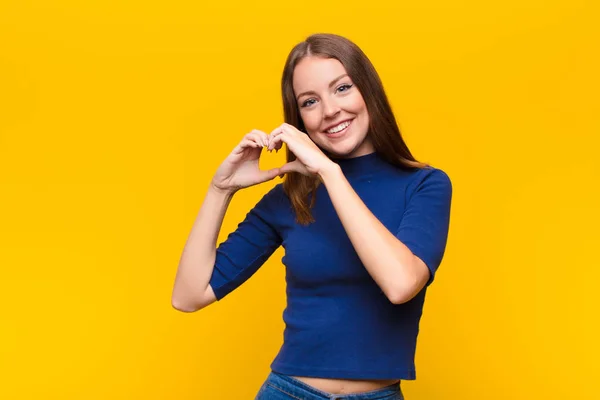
340,150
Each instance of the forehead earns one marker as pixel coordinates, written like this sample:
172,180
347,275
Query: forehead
315,73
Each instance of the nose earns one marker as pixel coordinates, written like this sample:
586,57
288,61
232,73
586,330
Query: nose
330,108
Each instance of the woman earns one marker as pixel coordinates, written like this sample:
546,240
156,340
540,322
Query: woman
364,227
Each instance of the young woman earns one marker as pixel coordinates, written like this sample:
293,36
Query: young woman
364,226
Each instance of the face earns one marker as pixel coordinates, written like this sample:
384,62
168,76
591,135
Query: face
331,107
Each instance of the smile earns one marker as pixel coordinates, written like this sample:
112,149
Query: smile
339,129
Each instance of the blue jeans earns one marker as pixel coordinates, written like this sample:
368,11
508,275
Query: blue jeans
284,387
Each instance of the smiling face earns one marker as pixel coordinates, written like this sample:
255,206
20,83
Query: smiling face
333,111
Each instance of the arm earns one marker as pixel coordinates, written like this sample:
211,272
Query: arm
191,290
217,272
401,264
201,266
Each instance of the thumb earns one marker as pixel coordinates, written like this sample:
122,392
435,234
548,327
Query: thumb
269,174
294,166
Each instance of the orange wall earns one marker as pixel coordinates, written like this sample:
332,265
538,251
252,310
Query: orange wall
114,115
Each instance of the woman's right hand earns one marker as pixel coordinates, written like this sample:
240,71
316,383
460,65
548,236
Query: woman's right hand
240,169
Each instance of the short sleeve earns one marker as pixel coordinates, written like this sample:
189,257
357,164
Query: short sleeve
248,247
425,223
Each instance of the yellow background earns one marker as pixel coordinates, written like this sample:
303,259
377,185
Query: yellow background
115,114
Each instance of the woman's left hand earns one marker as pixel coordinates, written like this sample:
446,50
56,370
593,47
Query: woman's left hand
310,160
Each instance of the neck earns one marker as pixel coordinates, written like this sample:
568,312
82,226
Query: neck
360,165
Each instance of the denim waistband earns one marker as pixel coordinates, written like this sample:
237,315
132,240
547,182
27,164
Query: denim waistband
299,389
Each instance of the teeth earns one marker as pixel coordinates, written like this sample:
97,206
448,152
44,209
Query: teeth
338,128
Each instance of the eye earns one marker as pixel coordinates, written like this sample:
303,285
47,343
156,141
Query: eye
345,86
308,102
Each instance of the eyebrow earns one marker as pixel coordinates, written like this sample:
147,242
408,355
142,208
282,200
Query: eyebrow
330,85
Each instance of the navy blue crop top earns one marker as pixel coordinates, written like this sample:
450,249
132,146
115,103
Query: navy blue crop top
338,322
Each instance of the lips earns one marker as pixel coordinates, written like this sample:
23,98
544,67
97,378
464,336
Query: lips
336,124
340,133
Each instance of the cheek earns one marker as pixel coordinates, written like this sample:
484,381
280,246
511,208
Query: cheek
361,110
358,105
311,120
365,115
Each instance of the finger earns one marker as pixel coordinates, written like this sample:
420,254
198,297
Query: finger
253,136
294,166
290,129
280,130
264,137
269,174
287,129
259,136
277,131
245,143
275,145
275,139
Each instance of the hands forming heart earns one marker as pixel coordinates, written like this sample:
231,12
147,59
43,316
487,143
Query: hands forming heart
240,169
310,160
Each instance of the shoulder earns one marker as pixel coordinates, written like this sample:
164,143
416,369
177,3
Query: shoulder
274,198
276,193
429,178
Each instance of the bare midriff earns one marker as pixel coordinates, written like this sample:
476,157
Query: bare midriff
346,386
